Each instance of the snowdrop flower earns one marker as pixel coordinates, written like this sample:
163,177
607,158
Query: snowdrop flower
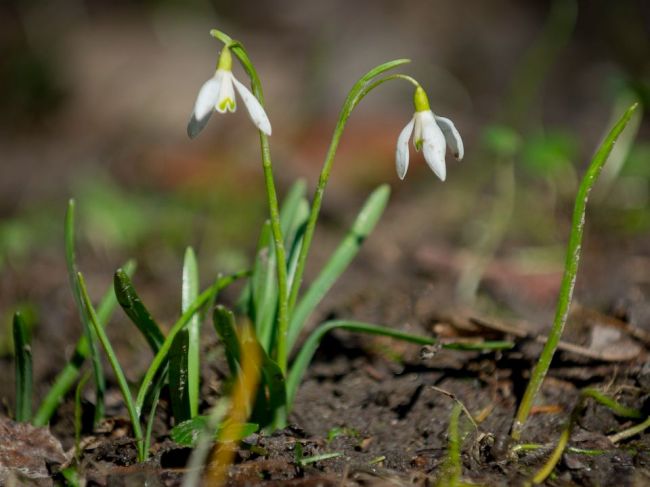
218,93
431,134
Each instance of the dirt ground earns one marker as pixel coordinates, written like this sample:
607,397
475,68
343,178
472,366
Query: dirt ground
385,406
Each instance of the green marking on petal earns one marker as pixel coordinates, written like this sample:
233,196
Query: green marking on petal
418,144
227,104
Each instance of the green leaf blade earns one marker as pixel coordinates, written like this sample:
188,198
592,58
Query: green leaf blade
24,369
115,365
187,433
71,262
70,372
135,309
184,352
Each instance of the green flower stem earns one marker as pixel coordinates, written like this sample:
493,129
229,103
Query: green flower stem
283,309
360,89
281,259
570,272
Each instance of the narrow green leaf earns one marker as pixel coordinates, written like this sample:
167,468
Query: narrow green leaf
178,380
318,458
274,383
187,433
308,349
224,324
162,354
295,236
289,209
136,310
272,380
616,407
69,374
190,293
115,365
570,272
23,363
78,413
184,352
155,396
339,261
71,261
265,291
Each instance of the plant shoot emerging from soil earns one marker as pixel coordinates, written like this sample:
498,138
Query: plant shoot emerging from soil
260,338
261,334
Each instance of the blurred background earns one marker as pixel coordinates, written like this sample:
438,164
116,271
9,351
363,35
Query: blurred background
95,96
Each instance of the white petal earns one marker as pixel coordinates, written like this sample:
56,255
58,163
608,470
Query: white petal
207,98
433,148
254,107
226,99
402,151
452,137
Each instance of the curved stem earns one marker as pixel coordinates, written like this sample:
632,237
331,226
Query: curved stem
360,89
283,316
570,272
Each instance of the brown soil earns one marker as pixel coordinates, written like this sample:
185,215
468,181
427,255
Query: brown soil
385,406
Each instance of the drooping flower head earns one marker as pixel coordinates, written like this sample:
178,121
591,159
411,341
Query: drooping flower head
218,93
431,134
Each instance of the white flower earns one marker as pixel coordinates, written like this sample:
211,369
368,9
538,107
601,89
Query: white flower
218,93
432,134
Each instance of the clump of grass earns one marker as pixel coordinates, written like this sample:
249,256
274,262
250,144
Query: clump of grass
273,300
588,393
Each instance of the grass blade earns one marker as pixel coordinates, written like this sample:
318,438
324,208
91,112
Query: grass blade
295,236
78,414
189,294
340,259
184,352
265,291
270,408
187,433
136,310
570,273
224,325
71,261
24,375
308,349
273,400
290,209
162,354
70,373
152,410
115,365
